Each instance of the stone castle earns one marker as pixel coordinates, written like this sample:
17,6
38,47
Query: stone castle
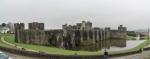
81,36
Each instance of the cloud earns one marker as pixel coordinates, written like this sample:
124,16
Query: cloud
110,13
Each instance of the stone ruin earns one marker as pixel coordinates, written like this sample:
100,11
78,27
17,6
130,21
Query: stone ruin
81,36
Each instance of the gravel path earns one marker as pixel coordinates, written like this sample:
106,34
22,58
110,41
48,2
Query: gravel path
129,44
134,56
19,47
143,55
14,56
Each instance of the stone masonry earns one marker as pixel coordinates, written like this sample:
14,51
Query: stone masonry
81,36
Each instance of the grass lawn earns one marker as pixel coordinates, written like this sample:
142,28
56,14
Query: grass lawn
3,44
53,50
50,50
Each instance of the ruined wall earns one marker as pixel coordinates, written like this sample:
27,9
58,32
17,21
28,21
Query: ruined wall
115,34
118,37
34,35
77,37
36,26
55,37
18,28
37,37
95,39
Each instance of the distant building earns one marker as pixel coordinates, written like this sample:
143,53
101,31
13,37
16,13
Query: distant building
11,27
4,28
7,28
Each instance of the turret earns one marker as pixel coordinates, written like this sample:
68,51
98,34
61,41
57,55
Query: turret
86,25
121,28
64,26
19,26
36,26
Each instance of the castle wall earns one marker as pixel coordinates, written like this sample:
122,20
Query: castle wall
37,37
54,37
118,37
115,34
18,28
36,26
118,42
77,37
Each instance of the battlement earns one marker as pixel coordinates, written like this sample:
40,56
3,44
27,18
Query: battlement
36,26
19,26
121,28
82,26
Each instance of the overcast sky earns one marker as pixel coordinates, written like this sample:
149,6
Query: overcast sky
134,14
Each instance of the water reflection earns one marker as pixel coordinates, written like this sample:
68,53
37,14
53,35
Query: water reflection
104,44
112,45
129,44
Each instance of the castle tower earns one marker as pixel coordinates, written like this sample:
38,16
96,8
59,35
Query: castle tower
122,29
86,25
64,27
36,33
107,31
89,25
36,26
18,27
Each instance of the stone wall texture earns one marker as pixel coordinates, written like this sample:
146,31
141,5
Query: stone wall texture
81,36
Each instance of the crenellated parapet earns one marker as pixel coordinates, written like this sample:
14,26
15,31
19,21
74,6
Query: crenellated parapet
79,26
36,26
120,33
19,26
122,29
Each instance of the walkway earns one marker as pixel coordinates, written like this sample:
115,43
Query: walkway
18,47
133,56
142,55
15,56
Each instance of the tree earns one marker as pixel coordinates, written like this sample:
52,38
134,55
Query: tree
3,24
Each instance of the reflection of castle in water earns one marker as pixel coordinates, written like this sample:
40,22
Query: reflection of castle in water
81,36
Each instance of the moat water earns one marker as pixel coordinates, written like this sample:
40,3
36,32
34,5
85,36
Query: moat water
89,46
129,44
113,45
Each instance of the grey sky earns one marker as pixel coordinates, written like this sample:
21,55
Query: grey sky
135,14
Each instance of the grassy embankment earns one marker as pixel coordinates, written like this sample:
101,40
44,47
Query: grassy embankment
130,37
53,50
